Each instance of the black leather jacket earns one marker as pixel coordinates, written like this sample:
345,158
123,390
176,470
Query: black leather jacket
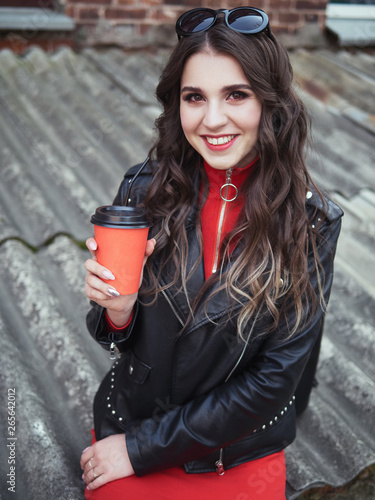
203,396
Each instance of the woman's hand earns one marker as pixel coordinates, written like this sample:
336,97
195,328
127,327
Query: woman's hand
105,461
119,307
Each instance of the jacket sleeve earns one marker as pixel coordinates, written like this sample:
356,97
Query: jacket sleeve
95,319
244,403
100,330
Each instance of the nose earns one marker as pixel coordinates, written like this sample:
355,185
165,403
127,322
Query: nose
215,117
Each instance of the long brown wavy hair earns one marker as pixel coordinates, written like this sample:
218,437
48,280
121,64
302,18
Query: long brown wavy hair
271,271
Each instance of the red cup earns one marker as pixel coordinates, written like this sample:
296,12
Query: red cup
121,235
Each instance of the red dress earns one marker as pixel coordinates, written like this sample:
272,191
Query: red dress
260,479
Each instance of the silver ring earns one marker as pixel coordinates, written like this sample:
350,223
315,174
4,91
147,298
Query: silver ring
90,464
95,475
227,185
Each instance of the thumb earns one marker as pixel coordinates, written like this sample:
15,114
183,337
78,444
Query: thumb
150,247
92,246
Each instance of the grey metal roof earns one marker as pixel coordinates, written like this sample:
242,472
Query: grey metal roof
70,125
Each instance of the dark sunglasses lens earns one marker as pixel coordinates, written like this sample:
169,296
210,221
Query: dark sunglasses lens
245,20
196,21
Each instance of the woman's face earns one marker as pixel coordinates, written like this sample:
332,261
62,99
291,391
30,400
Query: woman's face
219,112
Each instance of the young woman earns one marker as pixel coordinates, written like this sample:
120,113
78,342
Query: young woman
200,403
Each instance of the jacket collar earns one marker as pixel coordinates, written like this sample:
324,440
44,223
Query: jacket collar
215,307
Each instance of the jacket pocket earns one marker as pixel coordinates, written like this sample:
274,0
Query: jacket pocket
269,438
116,400
138,371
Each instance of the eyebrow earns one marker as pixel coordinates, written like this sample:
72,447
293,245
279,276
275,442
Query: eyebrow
239,86
191,89
224,90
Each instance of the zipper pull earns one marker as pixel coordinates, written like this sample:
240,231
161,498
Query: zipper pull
219,464
113,351
229,175
228,184
219,467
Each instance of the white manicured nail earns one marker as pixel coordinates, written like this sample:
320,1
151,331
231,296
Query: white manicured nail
108,275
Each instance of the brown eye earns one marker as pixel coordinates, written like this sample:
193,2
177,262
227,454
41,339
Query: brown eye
238,95
194,98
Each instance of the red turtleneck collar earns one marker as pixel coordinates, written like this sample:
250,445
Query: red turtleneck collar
217,177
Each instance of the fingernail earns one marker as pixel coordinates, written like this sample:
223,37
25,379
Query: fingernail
113,292
87,488
108,275
92,245
86,449
83,477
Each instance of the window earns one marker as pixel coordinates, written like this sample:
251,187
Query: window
41,4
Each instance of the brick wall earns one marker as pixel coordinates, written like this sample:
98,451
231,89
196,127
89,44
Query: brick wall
141,23
137,16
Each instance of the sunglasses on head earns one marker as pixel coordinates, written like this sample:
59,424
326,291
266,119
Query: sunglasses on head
246,20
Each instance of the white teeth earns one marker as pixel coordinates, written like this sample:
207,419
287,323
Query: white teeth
216,141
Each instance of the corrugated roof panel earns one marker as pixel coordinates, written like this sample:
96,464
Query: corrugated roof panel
65,134
339,84
46,356
335,438
71,124
343,153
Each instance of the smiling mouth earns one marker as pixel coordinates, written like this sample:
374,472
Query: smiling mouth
218,141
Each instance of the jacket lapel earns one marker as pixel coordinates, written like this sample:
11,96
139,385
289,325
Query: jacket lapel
215,307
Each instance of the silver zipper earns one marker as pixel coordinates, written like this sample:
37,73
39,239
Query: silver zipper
226,200
113,351
219,229
219,464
